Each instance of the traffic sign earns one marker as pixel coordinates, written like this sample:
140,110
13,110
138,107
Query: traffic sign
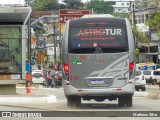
66,14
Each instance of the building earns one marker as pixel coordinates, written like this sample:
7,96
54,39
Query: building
139,15
148,51
121,6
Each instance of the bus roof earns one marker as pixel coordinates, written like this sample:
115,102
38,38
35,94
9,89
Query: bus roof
96,15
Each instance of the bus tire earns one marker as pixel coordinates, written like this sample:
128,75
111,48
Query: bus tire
121,101
129,101
73,101
77,101
70,101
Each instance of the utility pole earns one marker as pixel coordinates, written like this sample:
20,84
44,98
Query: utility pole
55,43
29,39
133,13
134,18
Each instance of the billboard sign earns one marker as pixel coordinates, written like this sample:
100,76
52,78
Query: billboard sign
66,14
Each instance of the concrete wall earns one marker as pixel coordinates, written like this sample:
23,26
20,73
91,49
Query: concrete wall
8,87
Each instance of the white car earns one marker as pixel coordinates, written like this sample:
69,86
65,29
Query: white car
38,77
151,76
140,82
156,76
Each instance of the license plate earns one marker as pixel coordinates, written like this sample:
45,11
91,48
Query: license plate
97,82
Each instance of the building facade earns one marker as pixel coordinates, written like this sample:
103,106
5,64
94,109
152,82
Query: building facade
121,6
148,51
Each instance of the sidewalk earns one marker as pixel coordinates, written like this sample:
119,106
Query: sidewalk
33,98
23,98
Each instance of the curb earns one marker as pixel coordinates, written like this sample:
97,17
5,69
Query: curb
29,99
154,95
151,95
140,94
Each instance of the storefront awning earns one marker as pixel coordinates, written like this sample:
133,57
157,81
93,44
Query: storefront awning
147,44
155,53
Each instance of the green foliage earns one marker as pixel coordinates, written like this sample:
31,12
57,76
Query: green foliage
142,3
101,7
120,15
137,60
73,4
137,51
62,6
137,55
139,36
59,61
45,5
155,21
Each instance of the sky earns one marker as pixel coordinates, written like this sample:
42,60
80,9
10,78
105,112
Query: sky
82,0
11,1
19,1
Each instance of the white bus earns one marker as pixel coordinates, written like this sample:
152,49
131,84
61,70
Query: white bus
98,60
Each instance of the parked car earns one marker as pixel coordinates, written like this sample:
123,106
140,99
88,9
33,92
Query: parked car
152,76
140,82
38,77
57,79
156,76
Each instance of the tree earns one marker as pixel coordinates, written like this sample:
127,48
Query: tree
137,55
62,6
140,38
120,15
141,4
45,5
154,17
154,22
101,7
73,4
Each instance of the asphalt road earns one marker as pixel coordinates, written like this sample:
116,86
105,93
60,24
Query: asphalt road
91,108
139,102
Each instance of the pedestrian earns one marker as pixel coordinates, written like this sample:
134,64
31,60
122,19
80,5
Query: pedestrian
39,67
58,67
49,79
27,79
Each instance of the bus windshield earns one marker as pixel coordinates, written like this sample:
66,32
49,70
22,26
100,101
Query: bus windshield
101,38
